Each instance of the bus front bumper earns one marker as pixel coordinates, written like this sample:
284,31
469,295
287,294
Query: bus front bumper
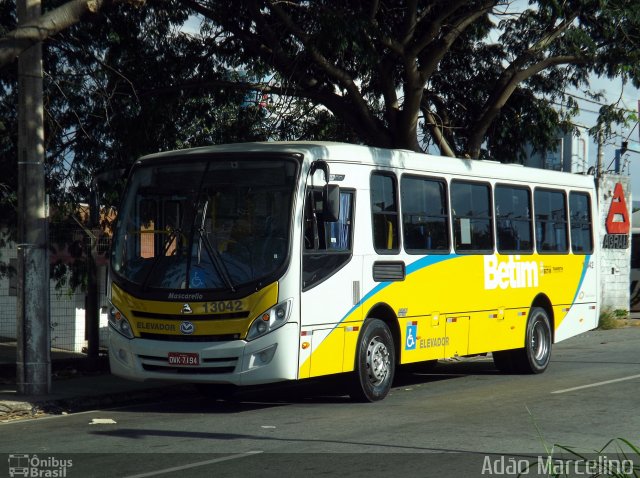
268,359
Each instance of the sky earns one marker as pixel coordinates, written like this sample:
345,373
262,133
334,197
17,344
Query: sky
612,90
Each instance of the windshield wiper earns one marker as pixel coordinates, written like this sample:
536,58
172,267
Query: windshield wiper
217,261
213,252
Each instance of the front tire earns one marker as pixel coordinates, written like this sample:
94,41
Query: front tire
375,362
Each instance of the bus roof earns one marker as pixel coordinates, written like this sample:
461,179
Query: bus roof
391,158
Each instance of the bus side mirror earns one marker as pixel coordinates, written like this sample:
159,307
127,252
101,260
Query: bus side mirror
331,203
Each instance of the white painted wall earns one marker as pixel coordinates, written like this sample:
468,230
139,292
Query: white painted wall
615,266
67,313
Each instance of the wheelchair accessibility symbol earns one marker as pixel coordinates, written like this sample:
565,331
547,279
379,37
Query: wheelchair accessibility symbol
412,331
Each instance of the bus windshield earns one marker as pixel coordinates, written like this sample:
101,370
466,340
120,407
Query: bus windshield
206,224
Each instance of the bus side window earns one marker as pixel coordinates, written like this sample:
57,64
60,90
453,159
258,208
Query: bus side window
551,221
513,219
384,210
472,216
327,245
313,224
331,236
580,215
425,216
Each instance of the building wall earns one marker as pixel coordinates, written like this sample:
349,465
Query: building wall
570,154
615,266
67,310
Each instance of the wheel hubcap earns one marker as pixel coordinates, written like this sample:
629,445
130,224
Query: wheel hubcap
540,342
378,361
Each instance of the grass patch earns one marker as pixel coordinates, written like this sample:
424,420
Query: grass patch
613,319
618,458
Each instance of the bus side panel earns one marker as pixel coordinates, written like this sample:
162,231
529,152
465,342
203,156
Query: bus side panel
424,338
575,311
457,341
327,351
326,310
515,322
493,292
490,332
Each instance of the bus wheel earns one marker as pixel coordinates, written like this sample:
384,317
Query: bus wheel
375,362
535,356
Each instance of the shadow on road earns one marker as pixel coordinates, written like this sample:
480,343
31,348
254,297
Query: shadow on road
323,390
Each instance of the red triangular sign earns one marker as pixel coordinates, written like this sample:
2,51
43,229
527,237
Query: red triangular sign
618,217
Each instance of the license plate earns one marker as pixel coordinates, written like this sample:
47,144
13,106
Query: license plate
184,358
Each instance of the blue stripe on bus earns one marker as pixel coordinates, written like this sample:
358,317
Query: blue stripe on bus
427,261
585,266
415,266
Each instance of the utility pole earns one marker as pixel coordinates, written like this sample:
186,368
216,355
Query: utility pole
600,155
92,313
33,363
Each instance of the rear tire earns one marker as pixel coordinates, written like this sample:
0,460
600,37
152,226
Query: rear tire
375,362
535,356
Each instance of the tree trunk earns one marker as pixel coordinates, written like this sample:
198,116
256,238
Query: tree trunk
36,29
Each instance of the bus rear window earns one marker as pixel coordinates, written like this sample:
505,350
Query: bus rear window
580,215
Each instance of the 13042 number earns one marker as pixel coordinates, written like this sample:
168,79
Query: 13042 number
223,306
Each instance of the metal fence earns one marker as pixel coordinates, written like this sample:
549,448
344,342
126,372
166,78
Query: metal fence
67,297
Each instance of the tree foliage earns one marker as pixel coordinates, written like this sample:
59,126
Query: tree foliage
471,77
476,78
128,82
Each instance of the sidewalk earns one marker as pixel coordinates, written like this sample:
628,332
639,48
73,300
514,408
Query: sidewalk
74,389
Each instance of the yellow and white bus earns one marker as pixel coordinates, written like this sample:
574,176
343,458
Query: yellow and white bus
264,262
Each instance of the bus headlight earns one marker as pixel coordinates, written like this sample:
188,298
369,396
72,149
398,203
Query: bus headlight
119,322
271,319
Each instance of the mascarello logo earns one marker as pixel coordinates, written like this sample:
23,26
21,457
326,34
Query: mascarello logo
187,328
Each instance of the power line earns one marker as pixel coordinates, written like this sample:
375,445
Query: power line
596,103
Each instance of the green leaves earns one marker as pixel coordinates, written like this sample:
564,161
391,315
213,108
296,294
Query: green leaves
484,76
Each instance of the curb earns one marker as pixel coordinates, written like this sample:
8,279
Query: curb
29,408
